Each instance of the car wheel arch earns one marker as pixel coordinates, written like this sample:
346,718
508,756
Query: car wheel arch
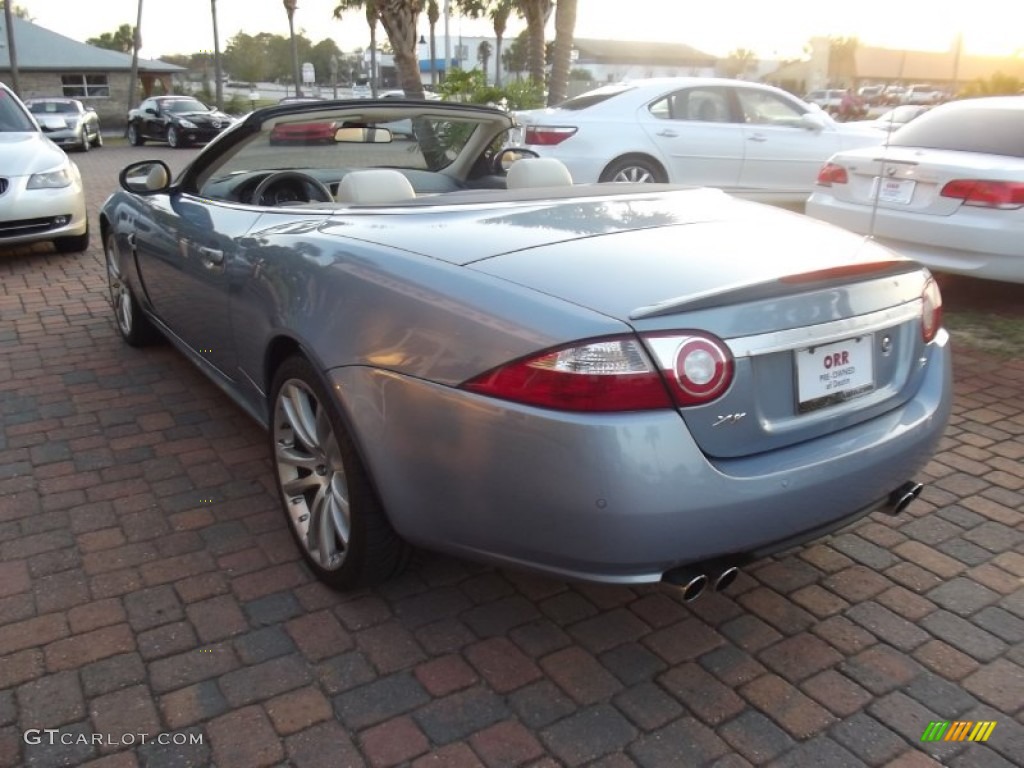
295,353
634,157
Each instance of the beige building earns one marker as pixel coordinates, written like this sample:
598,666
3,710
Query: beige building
828,67
53,65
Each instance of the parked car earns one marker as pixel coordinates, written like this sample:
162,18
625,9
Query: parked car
67,122
897,117
828,99
948,190
41,192
924,94
178,120
749,139
621,383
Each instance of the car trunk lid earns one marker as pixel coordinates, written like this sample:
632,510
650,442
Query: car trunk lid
824,327
912,179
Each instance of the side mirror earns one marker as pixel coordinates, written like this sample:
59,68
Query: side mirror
151,111
814,121
146,177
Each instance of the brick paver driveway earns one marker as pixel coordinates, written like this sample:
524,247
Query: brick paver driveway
150,592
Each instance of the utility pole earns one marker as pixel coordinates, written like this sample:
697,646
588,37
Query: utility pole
134,78
289,6
11,52
217,73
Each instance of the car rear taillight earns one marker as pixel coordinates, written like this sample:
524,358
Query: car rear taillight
547,135
832,173
697,366
612,374
931,310
986,194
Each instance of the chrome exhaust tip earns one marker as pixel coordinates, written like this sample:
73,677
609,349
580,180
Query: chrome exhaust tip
694,588
900,499
692,583
725,578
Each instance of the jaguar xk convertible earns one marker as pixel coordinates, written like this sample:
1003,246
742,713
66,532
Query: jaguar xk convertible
452,346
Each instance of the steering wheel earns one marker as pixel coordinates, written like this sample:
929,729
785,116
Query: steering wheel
323,194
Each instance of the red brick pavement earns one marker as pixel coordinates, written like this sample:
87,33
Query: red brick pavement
129,609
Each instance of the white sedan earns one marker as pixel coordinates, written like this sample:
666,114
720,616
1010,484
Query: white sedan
41,192
948,190
752,140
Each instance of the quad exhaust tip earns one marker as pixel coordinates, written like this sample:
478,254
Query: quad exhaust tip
725,578
900,499
693,583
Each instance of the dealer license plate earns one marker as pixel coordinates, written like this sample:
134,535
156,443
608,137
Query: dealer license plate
834,373
899,191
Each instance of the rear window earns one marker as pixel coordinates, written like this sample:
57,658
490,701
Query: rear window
990,131
591,98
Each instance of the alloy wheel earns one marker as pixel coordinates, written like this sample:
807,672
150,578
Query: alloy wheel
312,475
120,294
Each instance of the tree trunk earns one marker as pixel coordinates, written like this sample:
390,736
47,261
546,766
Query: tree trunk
536,13
565,24
399,19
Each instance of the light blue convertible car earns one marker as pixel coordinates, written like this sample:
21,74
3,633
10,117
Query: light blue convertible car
452,346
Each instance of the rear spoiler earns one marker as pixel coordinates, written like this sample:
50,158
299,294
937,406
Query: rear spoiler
815,280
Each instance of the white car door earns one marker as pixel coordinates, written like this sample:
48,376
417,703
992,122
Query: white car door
782,154
697,131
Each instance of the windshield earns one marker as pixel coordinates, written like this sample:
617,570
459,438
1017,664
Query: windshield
186,105
13,119
988,130
52,107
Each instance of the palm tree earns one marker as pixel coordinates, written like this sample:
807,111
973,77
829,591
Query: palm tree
499,15
370,6
483,55
399,18
536,13
433,14
561,60
740,62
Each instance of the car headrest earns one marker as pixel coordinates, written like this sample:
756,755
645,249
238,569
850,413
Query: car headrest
375,185
538,172
157,177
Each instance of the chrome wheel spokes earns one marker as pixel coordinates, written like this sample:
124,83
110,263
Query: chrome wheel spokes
120,298
311,473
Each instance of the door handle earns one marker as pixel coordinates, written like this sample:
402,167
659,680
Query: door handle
757,137
211,256
668,134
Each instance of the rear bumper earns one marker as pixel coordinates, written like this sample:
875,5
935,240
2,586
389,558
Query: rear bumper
617,498
977,242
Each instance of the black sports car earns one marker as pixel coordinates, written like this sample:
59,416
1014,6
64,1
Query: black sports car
178,120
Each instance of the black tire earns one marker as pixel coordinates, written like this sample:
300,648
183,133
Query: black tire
98,141
324,487
134,137
85,146
174,138
634,168
133,325
72,243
